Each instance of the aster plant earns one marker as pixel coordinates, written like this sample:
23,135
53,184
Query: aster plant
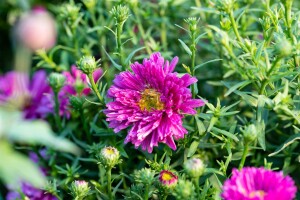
150,99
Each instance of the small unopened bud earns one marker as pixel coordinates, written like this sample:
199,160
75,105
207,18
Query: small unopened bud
192,21
145,176
109,157
225,5
168,179
80,189
120,13
87,64
70,12
194,167
56,81
225,24
250,133
283,48
90,4
184,190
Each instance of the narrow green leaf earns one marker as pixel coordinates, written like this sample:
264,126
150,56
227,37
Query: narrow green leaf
228,134
288,142
186,48
200,126
132,54
119,67
193,148
259,51
236,86
210,61
200,36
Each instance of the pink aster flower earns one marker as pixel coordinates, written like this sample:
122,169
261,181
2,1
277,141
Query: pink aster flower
153,100
76,83
30,96
258,184
168,178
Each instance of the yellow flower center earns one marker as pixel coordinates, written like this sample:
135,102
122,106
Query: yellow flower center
150,99
259,193
166,176
109,151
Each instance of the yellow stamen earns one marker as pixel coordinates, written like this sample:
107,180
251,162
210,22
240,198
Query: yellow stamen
150,99
259,193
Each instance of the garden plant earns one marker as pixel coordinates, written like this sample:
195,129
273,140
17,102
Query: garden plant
150,99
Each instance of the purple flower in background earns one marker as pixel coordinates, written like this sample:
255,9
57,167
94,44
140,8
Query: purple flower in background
153,100
258,184
76,83
31,192
28,95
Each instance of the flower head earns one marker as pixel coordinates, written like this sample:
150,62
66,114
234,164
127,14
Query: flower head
30,96
109,156
258,184
37,29
168,178
194,167
153,100
80,189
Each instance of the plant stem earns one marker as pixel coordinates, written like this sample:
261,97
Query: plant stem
196,184
57,116
234,26
94,87
245,151
119,45
108,173
193,56
146,195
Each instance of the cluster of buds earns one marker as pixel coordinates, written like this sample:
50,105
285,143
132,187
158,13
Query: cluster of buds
109,157
56,81
144,176
120,13
80,189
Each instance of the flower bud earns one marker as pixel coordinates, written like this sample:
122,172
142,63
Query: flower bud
120,13
225,5
70,13
192,21
283,48
168,179
109,157
145,176
250,133
90,4
225,24
184,190
80,189
56,81
37,29
87,64
76,102
194,167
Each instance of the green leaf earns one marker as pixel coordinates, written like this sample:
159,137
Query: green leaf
200,36
228,134
210,61
261,134
15,167
193,148
132,54
119,67
186,48
236,86
200,126
288,142
259,50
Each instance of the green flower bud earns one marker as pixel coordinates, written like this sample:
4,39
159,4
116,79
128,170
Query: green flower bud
145,176
184,190
283,48
76,102
87,64
194,167
56,81
70,12
250,133
192,21
225,24
109,157
225,5
80,189
90,4
120,13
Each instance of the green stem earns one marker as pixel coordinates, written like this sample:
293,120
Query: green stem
57,116
245,152
193,57
234,26
119,45
94,87
196,184
108,174
146,194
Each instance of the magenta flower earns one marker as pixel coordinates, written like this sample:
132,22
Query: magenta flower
76,84
30,96
153,100
258,184
168,178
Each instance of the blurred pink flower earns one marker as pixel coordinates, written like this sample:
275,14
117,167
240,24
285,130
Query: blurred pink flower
37,29
28,95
